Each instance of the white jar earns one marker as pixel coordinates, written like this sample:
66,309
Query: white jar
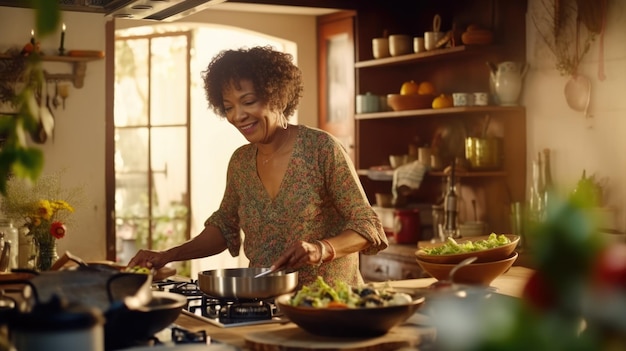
57,325
25,254
11,234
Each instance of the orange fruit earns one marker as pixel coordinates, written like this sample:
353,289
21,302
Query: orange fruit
442,101
426,88
409,88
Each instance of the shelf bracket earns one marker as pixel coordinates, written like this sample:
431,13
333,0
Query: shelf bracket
77,77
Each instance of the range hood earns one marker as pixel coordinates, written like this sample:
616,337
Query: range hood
172,10
156,10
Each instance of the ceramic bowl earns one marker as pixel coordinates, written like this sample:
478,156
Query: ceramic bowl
471,229
474,274
348,322
399,102
497,253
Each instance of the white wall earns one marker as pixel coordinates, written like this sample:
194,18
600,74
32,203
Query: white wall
596,144
78,144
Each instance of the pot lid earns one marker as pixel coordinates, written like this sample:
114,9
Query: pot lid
58,315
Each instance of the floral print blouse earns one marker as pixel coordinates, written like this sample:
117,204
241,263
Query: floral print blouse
319,197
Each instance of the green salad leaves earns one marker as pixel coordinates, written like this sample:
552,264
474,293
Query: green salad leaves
321,295
451,247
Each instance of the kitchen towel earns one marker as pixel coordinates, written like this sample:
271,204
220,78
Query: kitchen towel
409,175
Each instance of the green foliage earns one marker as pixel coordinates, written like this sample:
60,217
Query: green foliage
47,16
17,158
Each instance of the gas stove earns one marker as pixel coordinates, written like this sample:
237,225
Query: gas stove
221,312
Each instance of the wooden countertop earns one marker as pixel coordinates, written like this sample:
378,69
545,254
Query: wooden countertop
510,283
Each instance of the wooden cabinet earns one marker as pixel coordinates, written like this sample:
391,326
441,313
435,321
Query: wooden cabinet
458,68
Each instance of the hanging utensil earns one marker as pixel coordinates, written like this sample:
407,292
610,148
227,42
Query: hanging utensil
64,93
56,101
578,93
578,87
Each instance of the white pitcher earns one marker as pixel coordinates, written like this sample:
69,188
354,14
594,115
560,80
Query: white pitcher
506,80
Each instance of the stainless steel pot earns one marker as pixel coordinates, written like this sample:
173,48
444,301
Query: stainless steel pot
240,283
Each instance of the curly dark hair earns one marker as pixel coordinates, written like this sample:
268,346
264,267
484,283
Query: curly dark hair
276,80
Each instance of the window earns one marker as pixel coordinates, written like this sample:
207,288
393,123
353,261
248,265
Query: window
151,142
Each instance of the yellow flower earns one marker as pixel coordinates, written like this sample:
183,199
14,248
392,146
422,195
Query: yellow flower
45,209
58,205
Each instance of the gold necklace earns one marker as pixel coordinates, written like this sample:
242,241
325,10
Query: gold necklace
271,154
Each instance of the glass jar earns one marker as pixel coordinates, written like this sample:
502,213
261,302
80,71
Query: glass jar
11,234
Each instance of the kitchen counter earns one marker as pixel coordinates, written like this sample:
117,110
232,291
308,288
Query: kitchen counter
510,283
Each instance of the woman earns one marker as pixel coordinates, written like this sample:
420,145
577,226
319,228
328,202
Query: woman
292,190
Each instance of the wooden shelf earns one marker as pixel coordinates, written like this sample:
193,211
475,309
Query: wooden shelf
440,111
388,175
79,68
453,52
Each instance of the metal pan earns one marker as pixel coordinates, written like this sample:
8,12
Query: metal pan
240,283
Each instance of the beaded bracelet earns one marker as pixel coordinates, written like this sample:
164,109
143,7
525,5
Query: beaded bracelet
322,252
332,250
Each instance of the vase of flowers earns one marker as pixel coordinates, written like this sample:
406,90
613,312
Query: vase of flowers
46,230
43,209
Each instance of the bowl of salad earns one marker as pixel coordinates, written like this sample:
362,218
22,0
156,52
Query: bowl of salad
345,311
479,274
486,248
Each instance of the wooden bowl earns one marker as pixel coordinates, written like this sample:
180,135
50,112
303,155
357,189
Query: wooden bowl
399,102
348,322
497,253
474,274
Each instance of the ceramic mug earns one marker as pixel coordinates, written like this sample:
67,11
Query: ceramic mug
380,47
462,99
399,44
423,155
367,103
431,39
481,99
418,44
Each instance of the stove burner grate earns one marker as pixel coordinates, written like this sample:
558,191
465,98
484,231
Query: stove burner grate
222,311
184,336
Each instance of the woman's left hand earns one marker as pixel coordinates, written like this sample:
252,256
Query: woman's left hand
298,255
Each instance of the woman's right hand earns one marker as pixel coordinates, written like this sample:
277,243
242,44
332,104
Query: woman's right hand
148,258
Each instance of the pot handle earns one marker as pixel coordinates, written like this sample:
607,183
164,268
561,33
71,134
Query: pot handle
33,289
133,289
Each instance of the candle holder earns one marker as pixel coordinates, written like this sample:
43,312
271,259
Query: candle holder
61,47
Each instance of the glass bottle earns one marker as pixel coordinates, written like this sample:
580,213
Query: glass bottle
548,186
451,207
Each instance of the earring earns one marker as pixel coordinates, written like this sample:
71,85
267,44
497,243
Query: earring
283,121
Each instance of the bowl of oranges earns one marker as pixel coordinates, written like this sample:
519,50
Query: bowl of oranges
412,96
